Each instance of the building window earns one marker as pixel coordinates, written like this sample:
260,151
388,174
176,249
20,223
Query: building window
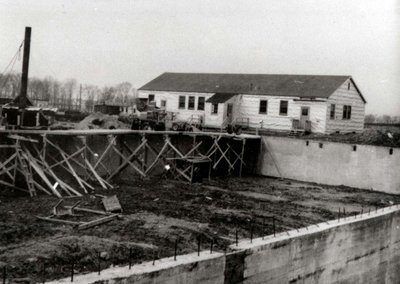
151,97
200,103
283,108
263,106
191,102
346,112
163,103
182,102
332,115
214,109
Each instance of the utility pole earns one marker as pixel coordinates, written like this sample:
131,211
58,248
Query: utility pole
25,68
80,97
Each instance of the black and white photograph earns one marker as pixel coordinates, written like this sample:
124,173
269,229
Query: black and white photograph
199,141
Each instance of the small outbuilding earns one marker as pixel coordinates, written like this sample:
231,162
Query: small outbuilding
315,103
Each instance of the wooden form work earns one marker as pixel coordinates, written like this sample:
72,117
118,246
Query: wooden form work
34,161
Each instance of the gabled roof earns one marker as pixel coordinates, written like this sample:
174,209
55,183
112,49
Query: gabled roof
220,98
303,86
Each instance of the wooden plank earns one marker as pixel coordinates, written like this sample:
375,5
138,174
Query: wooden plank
40,172
68,189
76,132
109,146
111,204
54,220
79,209
165,146
13,186
97,222
127,160
21,138
74,174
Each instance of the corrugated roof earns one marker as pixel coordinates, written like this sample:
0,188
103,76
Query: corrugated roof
220,98
303,86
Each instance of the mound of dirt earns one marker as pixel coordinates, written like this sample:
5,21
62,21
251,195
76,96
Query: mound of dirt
101,121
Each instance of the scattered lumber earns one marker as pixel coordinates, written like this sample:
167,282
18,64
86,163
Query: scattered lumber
97,222
79,209
111,204
50,219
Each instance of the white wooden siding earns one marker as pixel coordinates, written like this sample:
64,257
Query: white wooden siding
248,107
172,102
214,120
342,96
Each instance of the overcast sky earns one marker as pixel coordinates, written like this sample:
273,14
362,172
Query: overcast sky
108,42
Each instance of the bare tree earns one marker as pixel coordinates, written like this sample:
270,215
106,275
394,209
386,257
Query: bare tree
369,118
68,90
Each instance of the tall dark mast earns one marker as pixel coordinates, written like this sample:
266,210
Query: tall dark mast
23,100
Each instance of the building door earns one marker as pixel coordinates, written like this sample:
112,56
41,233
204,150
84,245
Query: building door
229,112
304,117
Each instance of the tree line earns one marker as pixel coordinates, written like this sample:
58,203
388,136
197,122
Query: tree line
386,119
68,94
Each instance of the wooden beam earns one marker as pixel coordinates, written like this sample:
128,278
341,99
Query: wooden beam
97,222
126,161
54,220
13,186
109,146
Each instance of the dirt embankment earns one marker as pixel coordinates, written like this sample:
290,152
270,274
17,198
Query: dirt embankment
367,137
157,213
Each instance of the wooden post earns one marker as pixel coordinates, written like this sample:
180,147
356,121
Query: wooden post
241,156
145,153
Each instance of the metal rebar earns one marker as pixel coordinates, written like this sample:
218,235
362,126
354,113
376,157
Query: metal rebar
273,224
211,247
4,274
198,245
154,256
339,215
263,228
72,271
98,263
251,233
237,237
130,258
44,273
176,248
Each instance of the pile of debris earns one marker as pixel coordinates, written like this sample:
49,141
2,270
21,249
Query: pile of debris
101,121
61,213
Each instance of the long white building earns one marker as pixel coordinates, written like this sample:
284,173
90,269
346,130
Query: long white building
323,104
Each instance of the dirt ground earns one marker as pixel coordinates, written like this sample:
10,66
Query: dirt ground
158,212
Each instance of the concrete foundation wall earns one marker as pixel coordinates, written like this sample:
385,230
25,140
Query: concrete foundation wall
370,167
361,249
366,251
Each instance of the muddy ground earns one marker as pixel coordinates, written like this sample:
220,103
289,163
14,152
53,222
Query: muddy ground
158,212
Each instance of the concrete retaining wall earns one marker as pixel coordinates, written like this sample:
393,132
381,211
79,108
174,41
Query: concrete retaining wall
370,167
365,249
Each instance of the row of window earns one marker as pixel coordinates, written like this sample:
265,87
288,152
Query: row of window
283,107
263,107
191,102
346,112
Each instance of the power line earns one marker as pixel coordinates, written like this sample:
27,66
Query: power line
14,57
12,63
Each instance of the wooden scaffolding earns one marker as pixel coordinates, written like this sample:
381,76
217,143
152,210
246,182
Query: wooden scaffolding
35,161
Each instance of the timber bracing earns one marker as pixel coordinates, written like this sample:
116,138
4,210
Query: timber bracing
39,161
